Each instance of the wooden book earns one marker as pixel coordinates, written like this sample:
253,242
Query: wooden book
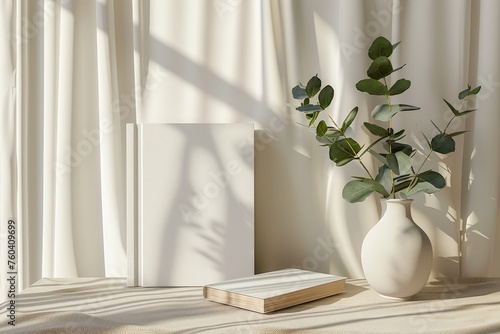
274,290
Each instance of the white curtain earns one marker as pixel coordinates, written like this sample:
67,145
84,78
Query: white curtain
73,73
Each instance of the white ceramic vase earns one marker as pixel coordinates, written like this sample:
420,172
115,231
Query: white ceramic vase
396,254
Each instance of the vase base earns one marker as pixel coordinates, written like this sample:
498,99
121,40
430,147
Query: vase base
396,298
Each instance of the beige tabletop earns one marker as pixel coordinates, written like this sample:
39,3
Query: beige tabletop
106,305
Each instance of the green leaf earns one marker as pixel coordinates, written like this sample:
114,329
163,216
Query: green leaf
458,133
443,143
380,47
437,127
384,177
376,130
384,112
452,108
399,163
463,94
325,97
401,186
349,119
466,112
395,45
377,186
397,134
321,129
428,182
344,162
379,156
427,140
342,150
380,68
434,178
372,87
314,116
397,69
356,191
468,92
399,87
299,92
475,90
309,108
400,147
408,107
418,188
329,137
313,86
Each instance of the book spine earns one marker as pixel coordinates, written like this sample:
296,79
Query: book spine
131,199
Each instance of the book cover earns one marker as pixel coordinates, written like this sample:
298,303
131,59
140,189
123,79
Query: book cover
190,202
274,290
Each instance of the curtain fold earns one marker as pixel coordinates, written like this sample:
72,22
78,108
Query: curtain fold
73,73
9,167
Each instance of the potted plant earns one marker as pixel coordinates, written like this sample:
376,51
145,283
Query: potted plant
396,253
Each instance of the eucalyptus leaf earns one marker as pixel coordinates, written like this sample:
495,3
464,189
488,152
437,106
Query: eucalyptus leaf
466,112
399,87
321,129
463,94
384,112
344,162
458,133
313,86
397,134
475,90
343,149
380,68
329,137
376,130
349,119
299,92
325,96
384,177
452,108
427,140
309,108
442,143
356,191
314,116
399,163
408,107
377,186
397,69
418,188
401,147
380,47
434,178
372,87
379,156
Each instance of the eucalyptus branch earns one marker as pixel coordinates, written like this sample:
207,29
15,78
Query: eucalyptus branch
397,174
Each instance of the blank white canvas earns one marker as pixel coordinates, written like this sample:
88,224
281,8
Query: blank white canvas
194,198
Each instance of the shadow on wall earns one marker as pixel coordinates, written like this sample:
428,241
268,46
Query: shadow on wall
290,230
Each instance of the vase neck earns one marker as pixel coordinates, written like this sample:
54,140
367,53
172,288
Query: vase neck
398,206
